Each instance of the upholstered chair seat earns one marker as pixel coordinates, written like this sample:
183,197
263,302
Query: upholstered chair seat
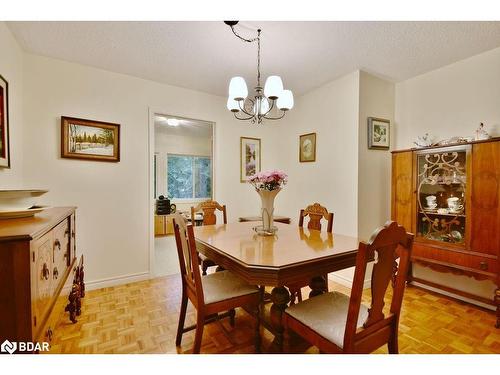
220,286
327,315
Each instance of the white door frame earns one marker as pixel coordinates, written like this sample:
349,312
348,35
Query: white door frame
151,152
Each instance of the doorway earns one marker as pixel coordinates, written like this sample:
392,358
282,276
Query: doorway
183,176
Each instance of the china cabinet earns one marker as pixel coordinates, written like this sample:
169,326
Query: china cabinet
449,197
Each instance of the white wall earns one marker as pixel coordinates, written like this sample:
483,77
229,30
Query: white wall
179,144
346,177
450,101
376,99
447,102
11,66
330,111
113,198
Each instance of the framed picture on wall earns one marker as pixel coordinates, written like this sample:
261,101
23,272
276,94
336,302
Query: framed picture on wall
4,124
307,147
89,139
378,133
250,153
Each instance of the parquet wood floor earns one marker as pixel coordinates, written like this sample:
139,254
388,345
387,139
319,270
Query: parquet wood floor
142,318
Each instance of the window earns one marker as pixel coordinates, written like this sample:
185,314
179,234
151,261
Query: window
189,177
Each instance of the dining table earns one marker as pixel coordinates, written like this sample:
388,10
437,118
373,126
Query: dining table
291,256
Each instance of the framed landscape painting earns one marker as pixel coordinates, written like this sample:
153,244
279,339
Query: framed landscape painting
249,157
4,124
89,139
307,147
378,133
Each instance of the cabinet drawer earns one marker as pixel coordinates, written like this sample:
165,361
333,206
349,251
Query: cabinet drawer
483,264
451,258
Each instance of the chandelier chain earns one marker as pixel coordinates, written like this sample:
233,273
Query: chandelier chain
258,57
256,39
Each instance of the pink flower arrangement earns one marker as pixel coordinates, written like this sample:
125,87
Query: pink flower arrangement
268,180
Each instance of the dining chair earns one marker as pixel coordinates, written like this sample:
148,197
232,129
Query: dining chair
208,209
315,213
211,294
336,323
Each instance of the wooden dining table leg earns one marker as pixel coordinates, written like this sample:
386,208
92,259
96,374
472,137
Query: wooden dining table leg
280,298
318,285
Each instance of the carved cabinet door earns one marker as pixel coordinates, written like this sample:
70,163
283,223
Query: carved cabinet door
72,239
485,208
41,277
60,246
403,195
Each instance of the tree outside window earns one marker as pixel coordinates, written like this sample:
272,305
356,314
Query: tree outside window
189,177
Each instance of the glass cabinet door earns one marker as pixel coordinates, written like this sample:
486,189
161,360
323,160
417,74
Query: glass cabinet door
441,193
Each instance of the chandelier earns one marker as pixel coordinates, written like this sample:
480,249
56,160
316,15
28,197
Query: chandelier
264,100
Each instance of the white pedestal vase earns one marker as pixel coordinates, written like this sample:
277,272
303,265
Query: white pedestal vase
267,211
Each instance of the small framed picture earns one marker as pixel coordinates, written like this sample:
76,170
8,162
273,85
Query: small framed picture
307,147
89,139
4,124
249,157
378,133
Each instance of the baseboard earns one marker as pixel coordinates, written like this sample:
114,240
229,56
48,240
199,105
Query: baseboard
347,282
113,281
453,295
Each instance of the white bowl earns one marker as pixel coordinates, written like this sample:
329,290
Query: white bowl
18,200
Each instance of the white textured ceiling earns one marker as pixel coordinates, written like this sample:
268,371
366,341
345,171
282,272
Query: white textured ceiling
205,55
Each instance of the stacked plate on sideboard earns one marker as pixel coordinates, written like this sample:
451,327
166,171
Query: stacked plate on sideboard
20,203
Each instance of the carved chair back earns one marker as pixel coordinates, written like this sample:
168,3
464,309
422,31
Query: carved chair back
386,245
208,208
316,212
188,258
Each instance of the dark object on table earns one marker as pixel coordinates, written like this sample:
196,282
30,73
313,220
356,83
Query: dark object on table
197,220
163,206
173,208
279,219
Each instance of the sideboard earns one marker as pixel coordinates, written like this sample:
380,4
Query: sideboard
164,225
450,198
40,276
